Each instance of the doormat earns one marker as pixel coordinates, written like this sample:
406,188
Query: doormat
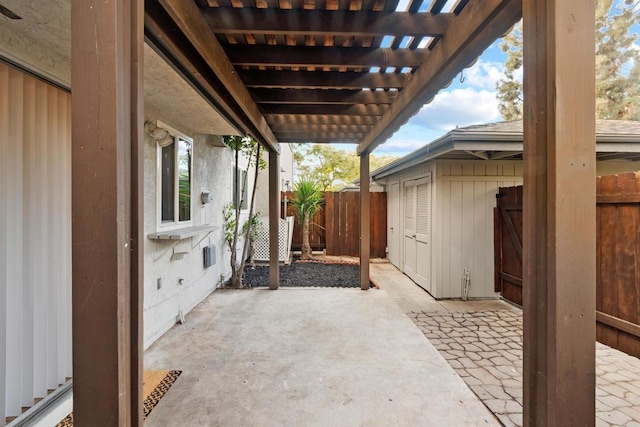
153,395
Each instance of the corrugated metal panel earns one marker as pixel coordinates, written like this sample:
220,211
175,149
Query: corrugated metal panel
35,231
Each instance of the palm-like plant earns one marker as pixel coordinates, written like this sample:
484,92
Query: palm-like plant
307,199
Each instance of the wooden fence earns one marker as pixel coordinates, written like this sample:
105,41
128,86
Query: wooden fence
617,257
618,261
317,235
336,227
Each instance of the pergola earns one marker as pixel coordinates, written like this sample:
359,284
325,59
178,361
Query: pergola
290,71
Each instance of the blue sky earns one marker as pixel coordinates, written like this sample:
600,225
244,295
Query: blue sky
470,99
467,101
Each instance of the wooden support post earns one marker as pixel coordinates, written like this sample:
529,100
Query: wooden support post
365,215
559,213
274,219
107,51
137,211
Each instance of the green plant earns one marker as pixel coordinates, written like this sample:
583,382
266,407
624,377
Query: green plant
250,149
307,200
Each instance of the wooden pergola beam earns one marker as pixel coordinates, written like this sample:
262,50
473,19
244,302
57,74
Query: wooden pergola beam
173,46
107,187
328,119
343,110
559,235
322,96
324,136
321,56
322,79
317,140
279,128
477,26
361,23
194,26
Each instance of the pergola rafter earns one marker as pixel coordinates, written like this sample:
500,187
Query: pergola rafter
322,79
326,96
348,23
348,110
321,56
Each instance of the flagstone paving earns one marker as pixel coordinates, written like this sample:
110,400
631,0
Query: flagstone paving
485,349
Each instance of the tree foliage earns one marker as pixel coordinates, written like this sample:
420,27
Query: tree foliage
330,167
307,199
510,88
248,148
617,88
617,64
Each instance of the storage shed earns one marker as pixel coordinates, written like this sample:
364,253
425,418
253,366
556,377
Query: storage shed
441,199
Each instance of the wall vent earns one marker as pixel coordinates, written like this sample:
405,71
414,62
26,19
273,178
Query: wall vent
209,255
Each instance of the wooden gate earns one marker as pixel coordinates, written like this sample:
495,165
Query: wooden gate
342,223
618,261
508,243
617,256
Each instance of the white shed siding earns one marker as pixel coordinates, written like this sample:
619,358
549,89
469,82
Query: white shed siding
35,239
466,198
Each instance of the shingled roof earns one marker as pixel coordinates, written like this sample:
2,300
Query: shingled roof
615,139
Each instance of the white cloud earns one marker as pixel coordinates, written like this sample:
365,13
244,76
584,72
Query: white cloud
399,146
519,74
484,74
459,107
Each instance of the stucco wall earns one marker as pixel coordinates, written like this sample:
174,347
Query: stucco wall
28,42
286,174
212,169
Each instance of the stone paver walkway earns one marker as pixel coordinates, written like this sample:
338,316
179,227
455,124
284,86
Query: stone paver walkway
485,349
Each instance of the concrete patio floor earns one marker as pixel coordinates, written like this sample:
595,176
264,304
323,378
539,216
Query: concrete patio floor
318,356
312,356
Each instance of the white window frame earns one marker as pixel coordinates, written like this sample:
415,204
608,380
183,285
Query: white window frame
233,177
175,224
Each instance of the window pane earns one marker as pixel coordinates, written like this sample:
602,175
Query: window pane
168,182
239,182
234,182
245,186
184,179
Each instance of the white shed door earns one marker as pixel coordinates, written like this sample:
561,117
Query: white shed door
393,223
417,231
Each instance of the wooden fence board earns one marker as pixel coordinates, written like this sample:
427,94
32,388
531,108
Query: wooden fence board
336,227
329,221
617,258
607,296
